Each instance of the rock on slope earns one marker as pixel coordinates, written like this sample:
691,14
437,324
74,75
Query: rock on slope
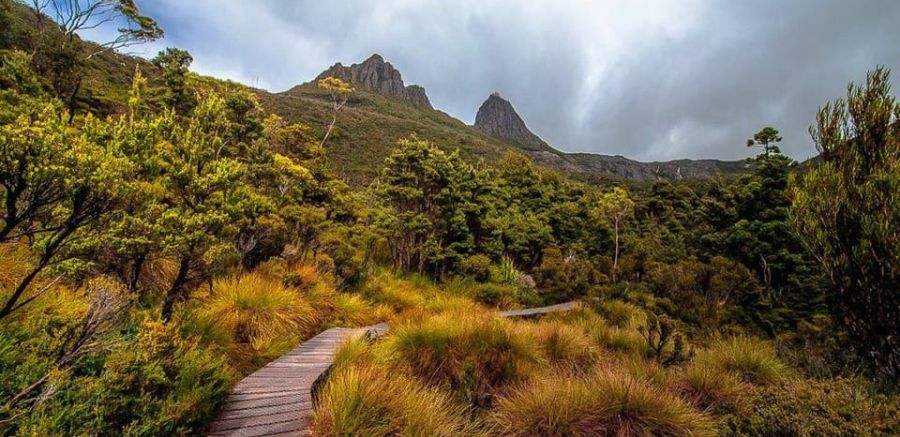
380,77
498,118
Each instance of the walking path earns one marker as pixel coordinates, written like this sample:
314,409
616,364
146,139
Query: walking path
277,400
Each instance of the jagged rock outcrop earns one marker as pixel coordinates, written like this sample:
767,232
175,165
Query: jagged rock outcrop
498,118
377,76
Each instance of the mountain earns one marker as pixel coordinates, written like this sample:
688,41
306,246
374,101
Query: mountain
381,111
380,77
498,118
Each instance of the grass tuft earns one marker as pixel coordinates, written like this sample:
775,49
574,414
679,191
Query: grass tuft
603,403
264,318
561,343
370,402
472,354
750,360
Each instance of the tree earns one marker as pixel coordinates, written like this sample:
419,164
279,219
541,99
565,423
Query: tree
175,64
434,202
847,213
60,53
203,196
615,206
761,238
57,183
340,92
767,137
6,25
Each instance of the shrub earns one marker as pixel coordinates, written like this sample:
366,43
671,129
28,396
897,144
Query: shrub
603,403
621,314
506,272
397,293
160,383
469,353
302,277
838,407
367,401
478,266
749,359
495,295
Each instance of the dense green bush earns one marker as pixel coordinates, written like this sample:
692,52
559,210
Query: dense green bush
833,408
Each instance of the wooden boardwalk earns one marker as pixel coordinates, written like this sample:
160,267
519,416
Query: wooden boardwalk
528,312
277,400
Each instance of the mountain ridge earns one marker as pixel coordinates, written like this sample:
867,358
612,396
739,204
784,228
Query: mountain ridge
380,77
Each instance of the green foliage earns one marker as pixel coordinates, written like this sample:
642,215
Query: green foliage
762,240
560,278
847,213
175,64
767,137
436,207
478,266
839,407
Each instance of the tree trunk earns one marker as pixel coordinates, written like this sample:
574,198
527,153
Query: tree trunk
73,102
616,253
49,251
136,267
175,291
328,132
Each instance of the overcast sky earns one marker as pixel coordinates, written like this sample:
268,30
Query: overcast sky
650,80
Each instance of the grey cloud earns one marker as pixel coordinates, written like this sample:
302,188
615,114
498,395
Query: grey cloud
649,80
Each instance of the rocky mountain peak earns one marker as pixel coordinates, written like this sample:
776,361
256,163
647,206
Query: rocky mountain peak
498,118
380,77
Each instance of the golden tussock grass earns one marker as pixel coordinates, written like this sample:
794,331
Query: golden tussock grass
562,344
364,401
603,403
749,359
263,318
472,354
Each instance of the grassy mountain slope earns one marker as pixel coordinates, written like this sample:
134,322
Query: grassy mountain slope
370,125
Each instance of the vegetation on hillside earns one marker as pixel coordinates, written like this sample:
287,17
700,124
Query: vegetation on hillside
150,257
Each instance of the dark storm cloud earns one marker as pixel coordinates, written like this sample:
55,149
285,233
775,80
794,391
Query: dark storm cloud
646,79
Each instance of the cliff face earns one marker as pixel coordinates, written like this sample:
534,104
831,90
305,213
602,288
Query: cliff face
498,118
377,76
